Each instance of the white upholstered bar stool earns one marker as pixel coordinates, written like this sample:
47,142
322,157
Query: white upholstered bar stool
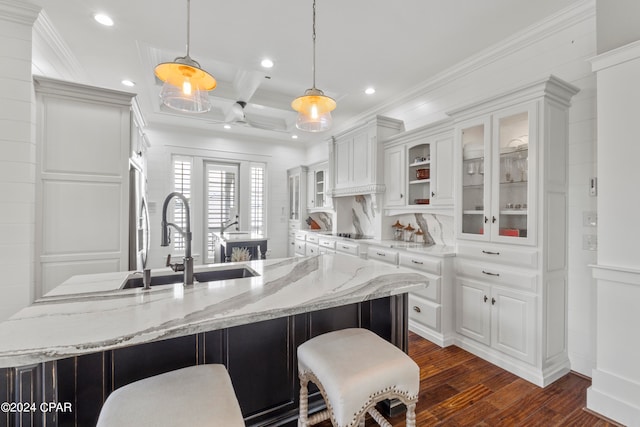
199,395
355,369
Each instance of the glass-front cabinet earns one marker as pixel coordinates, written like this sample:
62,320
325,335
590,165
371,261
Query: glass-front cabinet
497,173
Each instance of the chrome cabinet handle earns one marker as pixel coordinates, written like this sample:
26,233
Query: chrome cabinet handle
490,274
416,309
417,262
381,254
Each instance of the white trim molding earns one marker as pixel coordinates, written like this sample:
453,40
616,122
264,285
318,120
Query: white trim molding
615,386
20,12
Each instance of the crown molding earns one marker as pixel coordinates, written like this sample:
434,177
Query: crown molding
565,18
20,12
616,56
55,50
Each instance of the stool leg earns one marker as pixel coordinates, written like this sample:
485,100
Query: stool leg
304,403
361,423
411,415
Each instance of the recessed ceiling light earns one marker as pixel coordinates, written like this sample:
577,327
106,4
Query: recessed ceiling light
294,136
267,63
370,91
227,126
128,83
103,19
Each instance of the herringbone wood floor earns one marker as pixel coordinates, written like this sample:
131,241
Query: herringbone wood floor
460,389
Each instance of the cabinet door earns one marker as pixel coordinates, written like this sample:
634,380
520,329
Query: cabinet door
442,181
311,200
513,175
362,159
473,315
513,323
319,180
343,172
418,174
474,173
394,165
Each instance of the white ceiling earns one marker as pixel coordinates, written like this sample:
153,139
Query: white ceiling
390,45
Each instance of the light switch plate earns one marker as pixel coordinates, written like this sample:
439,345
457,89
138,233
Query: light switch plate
590,219
590,242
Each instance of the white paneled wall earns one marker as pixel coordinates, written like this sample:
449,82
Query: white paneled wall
560,45
17,157
166,142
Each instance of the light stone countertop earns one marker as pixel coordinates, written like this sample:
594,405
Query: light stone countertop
91,313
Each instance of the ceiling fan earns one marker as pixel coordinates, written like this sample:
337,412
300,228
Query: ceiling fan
237,115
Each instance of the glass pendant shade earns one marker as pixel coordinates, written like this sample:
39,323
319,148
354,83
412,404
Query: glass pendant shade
186,85
314,107
314,111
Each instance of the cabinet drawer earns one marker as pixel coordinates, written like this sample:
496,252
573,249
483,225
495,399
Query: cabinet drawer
382,254
327,243
312,237
349,248
517,256
300,247
498,274
301,235
424,312
420,262
323,250
311,250
433,290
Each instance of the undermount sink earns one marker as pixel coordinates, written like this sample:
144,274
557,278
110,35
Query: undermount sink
200,276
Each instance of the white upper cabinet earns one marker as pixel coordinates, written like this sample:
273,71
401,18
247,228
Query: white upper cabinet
356,157
318,189
418,169
498,175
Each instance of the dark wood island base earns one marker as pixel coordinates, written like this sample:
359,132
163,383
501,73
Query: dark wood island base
260,358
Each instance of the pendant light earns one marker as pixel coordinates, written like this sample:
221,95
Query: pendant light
314,108
186,85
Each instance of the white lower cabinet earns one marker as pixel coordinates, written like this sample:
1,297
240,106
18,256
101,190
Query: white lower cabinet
311,249
424,312
500,318
431,308
512,317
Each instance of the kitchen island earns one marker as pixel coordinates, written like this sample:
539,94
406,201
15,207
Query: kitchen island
226,242
88,336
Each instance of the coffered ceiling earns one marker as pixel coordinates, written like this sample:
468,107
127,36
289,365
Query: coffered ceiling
392,46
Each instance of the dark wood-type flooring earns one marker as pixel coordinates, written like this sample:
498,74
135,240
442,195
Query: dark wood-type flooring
460,389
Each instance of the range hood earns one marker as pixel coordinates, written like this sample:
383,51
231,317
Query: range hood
357,157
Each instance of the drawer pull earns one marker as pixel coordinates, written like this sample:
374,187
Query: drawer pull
488,273
493,301
345,247
417,262
490,253
416,309
485,298
381,254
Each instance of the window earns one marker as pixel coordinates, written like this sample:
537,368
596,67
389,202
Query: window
181,184
221,188
257,206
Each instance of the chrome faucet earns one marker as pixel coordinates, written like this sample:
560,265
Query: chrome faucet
224,227
187,264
